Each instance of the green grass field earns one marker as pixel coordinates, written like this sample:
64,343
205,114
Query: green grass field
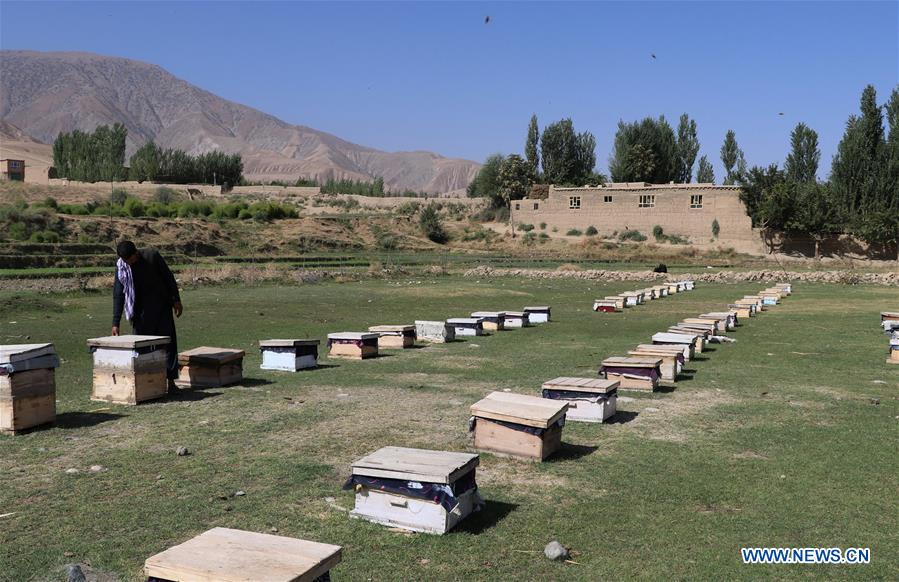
775,440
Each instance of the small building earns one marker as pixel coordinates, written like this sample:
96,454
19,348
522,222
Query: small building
686,210
13,170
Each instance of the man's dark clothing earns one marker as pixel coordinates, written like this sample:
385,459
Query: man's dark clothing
155,293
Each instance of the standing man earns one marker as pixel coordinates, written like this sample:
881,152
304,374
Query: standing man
146,292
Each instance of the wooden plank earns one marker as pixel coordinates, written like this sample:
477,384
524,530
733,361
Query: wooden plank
128,341
230,555
391,328
20,352
589,385
288,343
352,335
520,409
489,436
625,362
209,355
416,464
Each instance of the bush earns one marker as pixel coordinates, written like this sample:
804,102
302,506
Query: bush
542,226
408,208
526,227
135,208
245,214
76,209
430,224
591,231
543,237
658,233
18,231
716,228
165,195
45,236
634,235
48,202
529,238
574,232
676,239
118,196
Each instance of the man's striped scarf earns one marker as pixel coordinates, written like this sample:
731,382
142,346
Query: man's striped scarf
123,270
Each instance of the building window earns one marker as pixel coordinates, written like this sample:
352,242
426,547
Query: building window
517,206
536,205
574,202
696,201
607,198
647,201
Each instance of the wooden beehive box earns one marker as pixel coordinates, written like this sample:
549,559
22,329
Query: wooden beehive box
491,320
633,373
415,489
714,326
672,359
231,555
207,367
588,399
353,345
650,293
787,288
688,341
538,313
394,336
289,355
605,305
618,299
463,326
894,348
726,319
516,319
672,288
435,332
889,316
631,298
525,427
129,369
27,386
743,310
700,334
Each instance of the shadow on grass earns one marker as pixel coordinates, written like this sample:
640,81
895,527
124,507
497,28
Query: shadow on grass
622,417
491,514
568,452
707,350
82,419
253,382
191,395
699,358
666,388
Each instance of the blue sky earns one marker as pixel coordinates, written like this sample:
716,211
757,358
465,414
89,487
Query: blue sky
434,76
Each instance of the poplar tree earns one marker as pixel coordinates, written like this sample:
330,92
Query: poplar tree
530,149
732,158
705,174
645,151
687,148
802,161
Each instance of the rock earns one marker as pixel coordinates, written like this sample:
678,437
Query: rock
555,551
273,530
74,573
239,493
97,468
72,471
875,401
182,451
650,409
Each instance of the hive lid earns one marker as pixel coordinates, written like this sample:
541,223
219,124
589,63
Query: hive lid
389,328
632,362
717,315
689,330
632,293
537,308
12,353
231,555
352,335
889,314
520,409
675,336
128,341
613,301
463,320
208,355
703,320
287,343
660,348
591,385
429,322
515,314
416,464
488,314
649,352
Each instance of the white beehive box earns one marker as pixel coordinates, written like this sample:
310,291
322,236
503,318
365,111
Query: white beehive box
415,489
289,355
538,313
516,319
435,332
589,399
129,369
466,326
491,320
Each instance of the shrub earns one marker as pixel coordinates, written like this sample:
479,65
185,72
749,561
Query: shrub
574,232
591,231
676,239
430,224
543,237
245,214
716,228
18,231
634,235
76,209
44,236
658,233
118,196
408,208
542,226
529,238
526,227
49,202
134,208
165,195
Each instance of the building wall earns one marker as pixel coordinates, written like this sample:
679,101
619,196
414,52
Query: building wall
671,211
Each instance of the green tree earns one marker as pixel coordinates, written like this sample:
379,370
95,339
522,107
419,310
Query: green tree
486,183
687,148
431,225
568,157
705,174
145,163
802,161
514,178
645,151
757,186
732,158
530,148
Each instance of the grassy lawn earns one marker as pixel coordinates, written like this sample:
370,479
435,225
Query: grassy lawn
773,441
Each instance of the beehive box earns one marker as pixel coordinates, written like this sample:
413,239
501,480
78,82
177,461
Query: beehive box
353,345
394,336
435,332
787,288
713,326
633,373
661,290
27,386
129,369
632,298
672,359
682,350
491,320
207,367
681,339
516,319
605,305
538,313
894,349
700,334
289,355
672,288
726,319
231,555
415,489
588,399
524,427
618,299
889,316
472,326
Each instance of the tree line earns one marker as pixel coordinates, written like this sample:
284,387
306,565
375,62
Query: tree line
99,156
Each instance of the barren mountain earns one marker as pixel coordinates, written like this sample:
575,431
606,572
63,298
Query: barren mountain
46,93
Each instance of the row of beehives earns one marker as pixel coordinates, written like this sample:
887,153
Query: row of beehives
613,303
889,321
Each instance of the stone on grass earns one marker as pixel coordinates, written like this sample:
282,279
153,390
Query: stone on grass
72,471
97,468
182,451
555,551
74,573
